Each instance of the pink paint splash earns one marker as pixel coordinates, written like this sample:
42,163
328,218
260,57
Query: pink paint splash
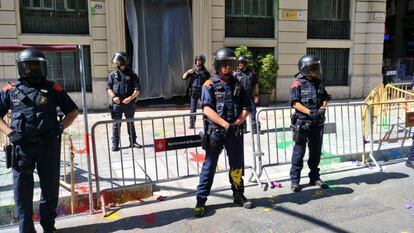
197,157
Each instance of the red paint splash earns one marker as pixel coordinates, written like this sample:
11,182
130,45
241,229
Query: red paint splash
149,218
197,157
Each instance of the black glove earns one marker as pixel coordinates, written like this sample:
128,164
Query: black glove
318,114
61,128
231,130
15,137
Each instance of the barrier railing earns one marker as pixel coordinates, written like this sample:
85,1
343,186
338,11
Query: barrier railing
170,151
343,136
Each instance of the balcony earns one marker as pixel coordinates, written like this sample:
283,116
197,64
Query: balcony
255,27
325,29
54,22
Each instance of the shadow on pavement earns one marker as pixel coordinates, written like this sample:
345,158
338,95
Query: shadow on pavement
145,221
372,178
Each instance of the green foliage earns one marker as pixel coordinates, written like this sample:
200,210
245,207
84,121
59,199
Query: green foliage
267,74
265,67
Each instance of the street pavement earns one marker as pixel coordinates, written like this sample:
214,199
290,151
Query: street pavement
361,199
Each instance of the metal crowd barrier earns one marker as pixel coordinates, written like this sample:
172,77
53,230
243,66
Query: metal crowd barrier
170,151
343,136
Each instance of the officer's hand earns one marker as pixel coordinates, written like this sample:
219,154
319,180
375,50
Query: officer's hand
127,100
317,114
15,137
256,99
116,100
231,130
190,71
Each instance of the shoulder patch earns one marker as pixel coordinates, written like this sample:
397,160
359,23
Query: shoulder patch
295,84
57,87
208,83
8,87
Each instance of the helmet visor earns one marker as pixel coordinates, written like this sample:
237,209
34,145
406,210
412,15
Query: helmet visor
227,63
30,69
315,69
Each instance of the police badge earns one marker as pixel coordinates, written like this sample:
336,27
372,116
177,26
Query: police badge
43,99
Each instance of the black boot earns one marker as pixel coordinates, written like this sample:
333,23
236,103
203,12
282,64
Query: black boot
319,183
199,209
136,145
409,164
242,201
115,147
295,187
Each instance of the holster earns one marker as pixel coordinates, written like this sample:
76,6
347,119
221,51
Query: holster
9,151
299,131
205,140
111,110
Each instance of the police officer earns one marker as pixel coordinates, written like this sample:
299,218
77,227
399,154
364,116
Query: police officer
123,87
226,105
410,159
198,75
249,80
309,99
35,133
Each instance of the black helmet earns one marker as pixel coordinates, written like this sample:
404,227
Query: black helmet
120,56
309,63
224,55
243,59
31,63
201,58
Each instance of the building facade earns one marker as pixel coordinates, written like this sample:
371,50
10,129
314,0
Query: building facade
347,34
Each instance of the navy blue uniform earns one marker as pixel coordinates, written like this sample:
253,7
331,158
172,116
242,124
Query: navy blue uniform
411,152
123,84
311,94
34,116
249,80
220,96
197,80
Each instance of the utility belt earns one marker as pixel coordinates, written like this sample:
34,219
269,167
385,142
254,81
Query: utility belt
221,130
301,127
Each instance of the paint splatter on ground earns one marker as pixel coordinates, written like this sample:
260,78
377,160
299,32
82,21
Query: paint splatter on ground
149,218
113,216
284,144
197,157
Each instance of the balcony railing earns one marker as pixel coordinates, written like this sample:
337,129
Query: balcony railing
250,27
325,29
54,22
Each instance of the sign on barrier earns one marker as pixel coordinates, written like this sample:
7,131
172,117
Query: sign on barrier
165,144
409,119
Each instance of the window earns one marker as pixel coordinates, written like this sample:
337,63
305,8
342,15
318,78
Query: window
249,8
55,4
249,18
334,65
329,19
54,16
63,68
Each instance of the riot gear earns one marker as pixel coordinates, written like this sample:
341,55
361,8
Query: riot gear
201,58
224,57
120,56
309,63
243,59
32,65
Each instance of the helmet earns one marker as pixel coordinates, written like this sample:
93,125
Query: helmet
224,56
309,63
31,63
120,56
201,58
243,59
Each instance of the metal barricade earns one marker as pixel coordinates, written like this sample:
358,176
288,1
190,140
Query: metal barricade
170,152
343,136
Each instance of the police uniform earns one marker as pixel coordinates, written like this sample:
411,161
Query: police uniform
219,96
34,116
410,159
123,84
197,79
249,80
311,94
